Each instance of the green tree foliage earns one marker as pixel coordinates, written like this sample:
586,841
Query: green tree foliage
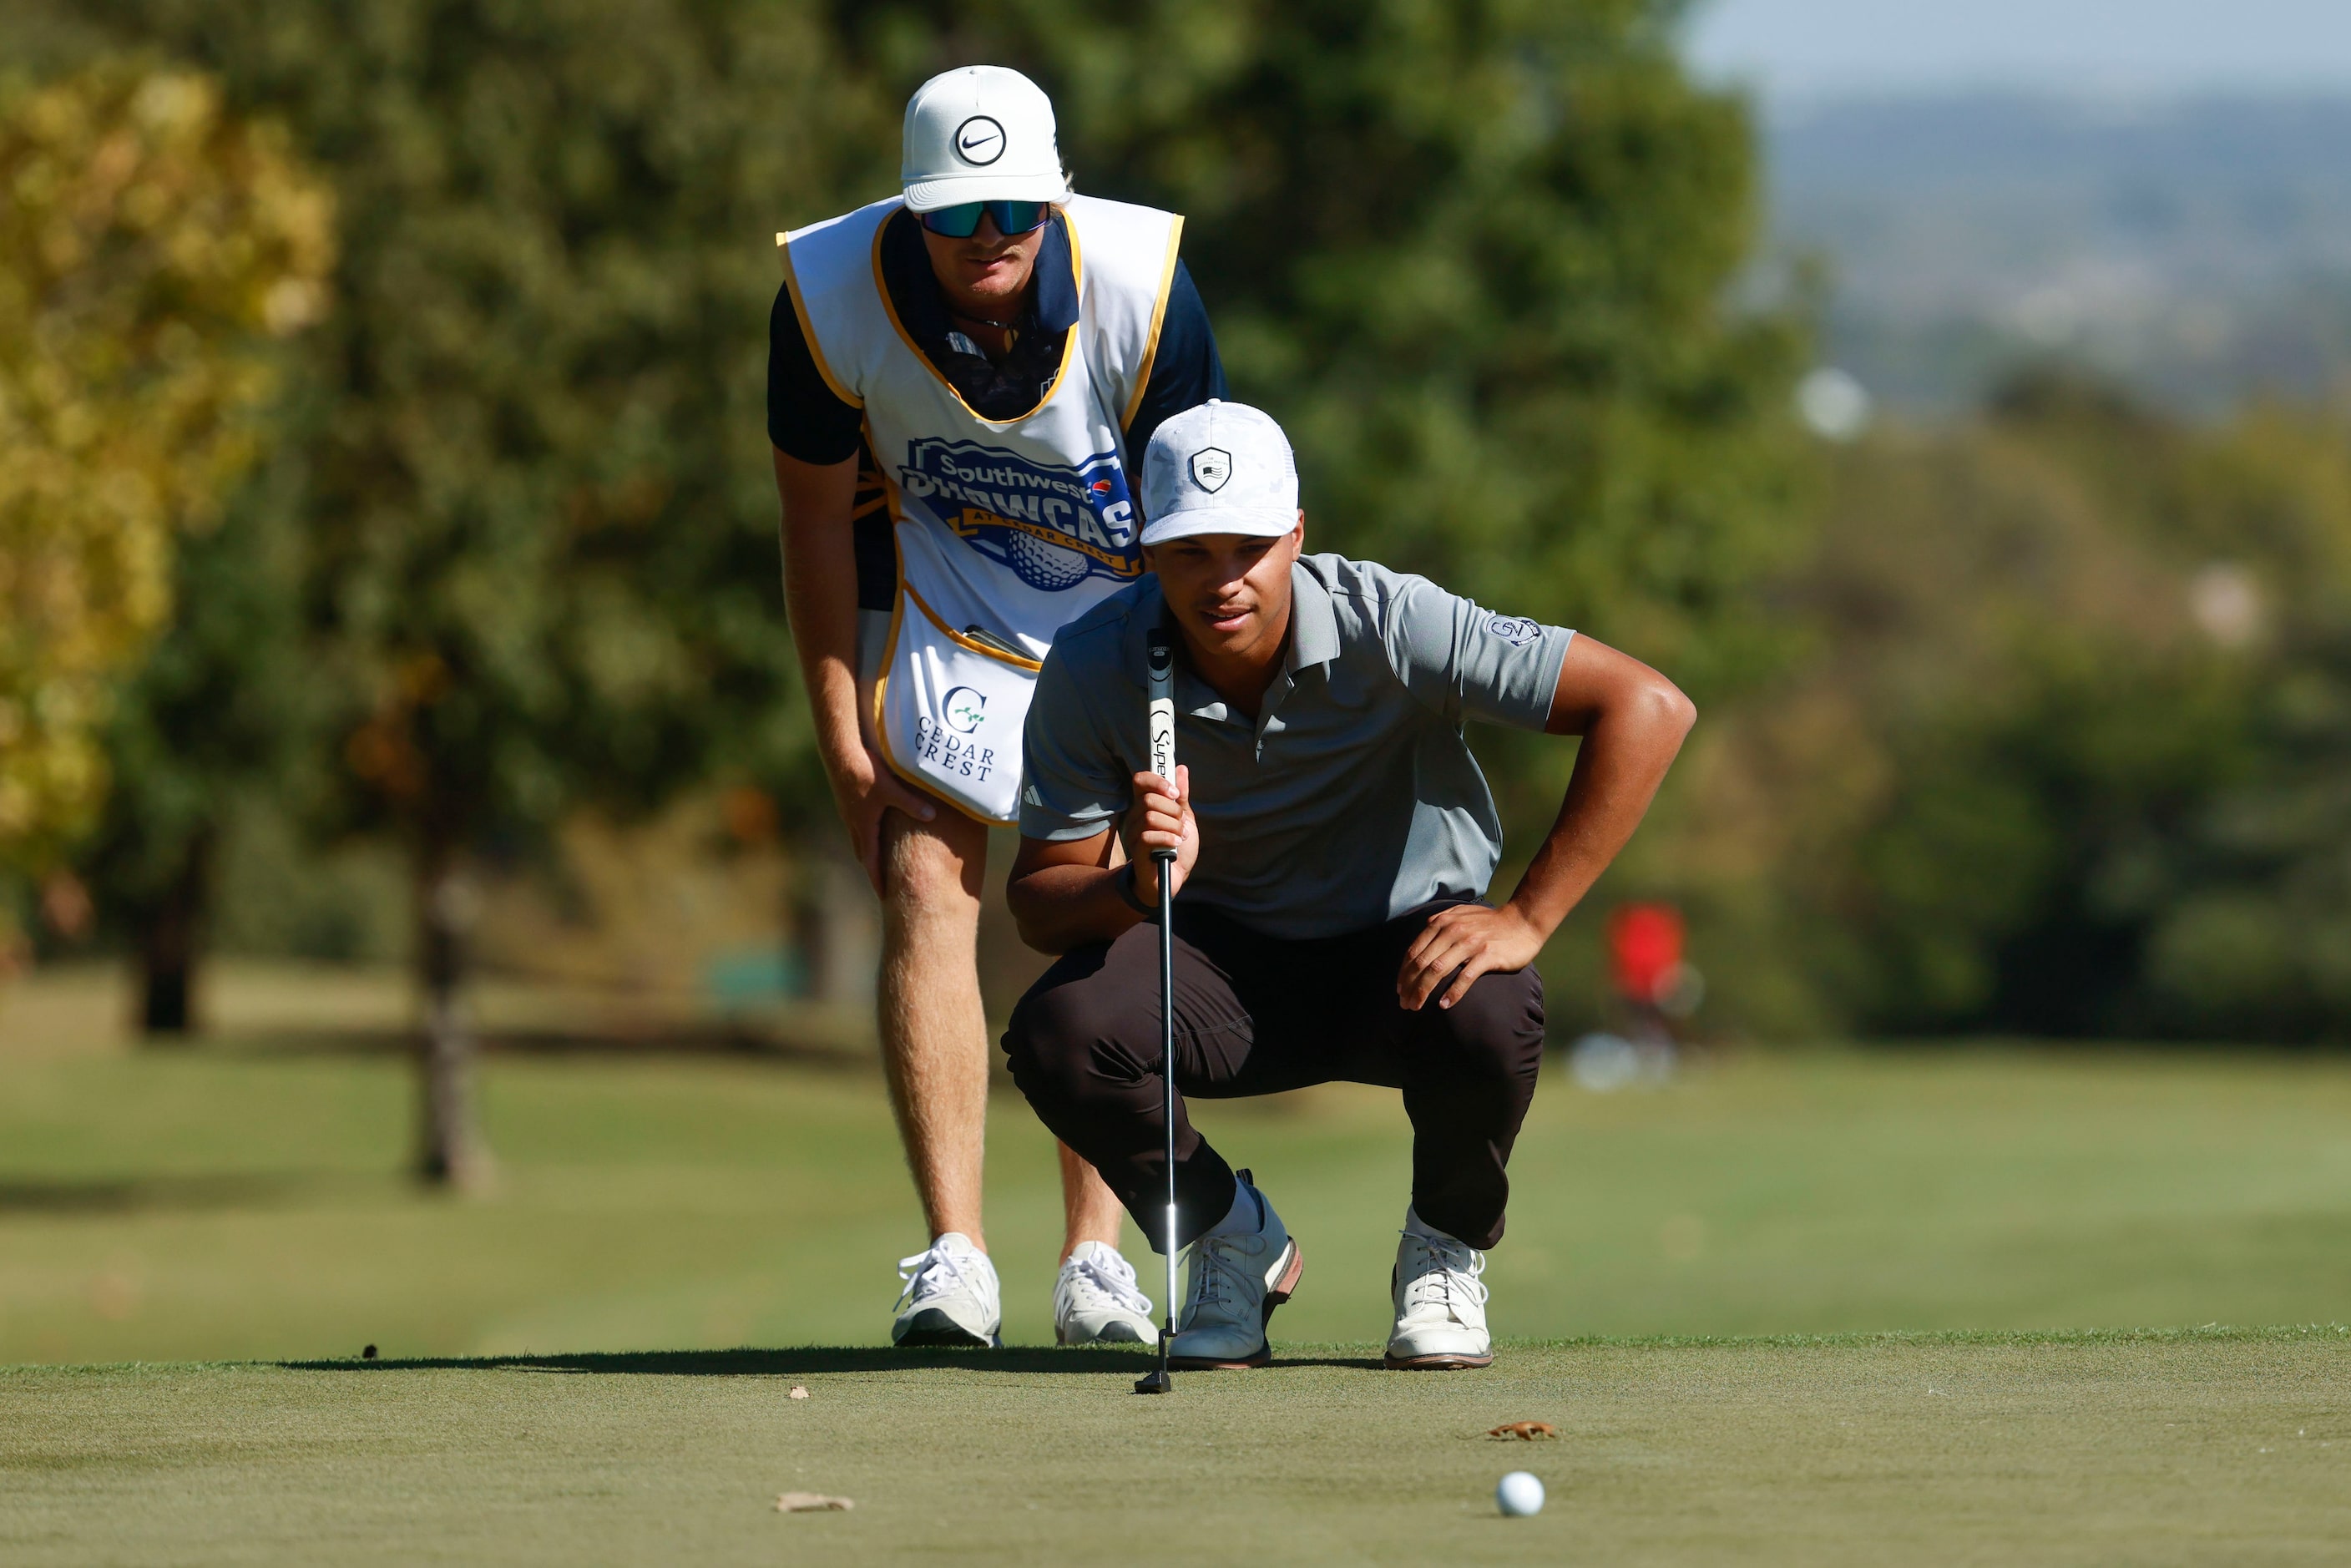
223,706
1477,259
2068,755
151,245
541,529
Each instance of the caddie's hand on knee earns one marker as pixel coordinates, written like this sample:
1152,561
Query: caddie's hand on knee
1161,819
1469,938
862,788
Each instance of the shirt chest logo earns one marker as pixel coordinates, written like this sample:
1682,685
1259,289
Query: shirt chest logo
1211,467
1053,527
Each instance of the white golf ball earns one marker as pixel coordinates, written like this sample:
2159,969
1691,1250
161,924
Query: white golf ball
1519,1495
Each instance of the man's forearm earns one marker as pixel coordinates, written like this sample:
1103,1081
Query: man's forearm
1058,907
1627,748
820,597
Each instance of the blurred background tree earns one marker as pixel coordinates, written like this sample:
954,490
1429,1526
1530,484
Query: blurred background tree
2068,755
2028,720
539,538
225,707
152,245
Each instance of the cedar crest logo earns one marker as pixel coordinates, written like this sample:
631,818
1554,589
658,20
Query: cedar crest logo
965,710
1052,527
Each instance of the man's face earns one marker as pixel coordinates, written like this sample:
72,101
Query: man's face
984,271
1229,592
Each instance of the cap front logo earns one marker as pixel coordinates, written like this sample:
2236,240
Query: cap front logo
979,140
1211,467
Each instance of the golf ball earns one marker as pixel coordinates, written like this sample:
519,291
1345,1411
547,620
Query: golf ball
1519,1495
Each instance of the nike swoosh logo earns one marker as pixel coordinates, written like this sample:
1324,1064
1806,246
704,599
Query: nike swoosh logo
983,142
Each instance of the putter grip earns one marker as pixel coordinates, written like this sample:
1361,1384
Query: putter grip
1161,664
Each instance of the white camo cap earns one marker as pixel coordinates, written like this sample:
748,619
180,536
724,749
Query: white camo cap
982,133
1219,468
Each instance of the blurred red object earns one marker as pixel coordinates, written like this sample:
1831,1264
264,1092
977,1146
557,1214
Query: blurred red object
1644,949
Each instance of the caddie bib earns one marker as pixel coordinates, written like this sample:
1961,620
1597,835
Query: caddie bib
1006,530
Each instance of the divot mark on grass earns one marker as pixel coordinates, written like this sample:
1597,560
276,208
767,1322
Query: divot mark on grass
1525,1431
812,1502
797,1393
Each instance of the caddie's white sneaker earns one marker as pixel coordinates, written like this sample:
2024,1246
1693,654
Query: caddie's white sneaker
951,1296
1095,1301
1241,1271
1440,1303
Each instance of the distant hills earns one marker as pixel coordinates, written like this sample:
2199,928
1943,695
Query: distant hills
2198,248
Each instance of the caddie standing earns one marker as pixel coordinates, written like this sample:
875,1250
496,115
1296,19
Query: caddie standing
957,377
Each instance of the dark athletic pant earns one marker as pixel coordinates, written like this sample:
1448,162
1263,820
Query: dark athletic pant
1257,1014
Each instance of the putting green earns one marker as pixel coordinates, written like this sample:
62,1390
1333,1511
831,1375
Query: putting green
2196,1447
244,1201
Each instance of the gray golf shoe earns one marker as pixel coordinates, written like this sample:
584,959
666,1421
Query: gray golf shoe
951,1296
1241,1271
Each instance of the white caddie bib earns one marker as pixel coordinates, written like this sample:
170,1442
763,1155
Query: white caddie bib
1007,530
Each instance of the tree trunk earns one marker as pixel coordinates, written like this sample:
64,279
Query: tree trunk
451,1152
169,939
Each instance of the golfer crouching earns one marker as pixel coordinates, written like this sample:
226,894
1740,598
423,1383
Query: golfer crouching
1333,839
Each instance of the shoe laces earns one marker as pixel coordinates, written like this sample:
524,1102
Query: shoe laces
1110,1276
1219,1271
1445,1266
936,1270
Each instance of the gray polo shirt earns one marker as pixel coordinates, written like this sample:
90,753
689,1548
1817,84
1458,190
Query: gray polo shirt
1354,797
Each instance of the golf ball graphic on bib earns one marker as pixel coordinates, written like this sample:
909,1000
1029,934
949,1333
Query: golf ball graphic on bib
1519,1495
1043,565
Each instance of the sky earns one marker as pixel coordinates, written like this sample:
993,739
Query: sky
1795,49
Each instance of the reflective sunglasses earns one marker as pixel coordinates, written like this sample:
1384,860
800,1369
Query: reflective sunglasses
1012,218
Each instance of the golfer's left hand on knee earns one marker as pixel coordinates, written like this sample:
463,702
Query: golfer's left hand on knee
1469,938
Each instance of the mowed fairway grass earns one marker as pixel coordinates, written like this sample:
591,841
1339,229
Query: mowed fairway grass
1955,1306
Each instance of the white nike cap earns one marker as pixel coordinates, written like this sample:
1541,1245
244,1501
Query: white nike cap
982,133
1219,468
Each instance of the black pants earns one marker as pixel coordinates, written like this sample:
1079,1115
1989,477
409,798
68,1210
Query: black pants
1256,1015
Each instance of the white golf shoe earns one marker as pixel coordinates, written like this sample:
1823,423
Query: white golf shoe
951,1296
1241,1271
1095,1301
1440,1302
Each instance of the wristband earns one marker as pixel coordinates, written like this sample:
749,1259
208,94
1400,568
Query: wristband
1125,882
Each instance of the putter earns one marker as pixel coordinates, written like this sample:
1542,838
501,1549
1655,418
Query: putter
1162,667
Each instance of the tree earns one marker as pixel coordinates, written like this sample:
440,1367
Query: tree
151,245
2066,755
540,527
225,706
1479,259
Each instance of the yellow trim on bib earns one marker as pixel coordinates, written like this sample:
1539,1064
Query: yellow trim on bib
881,704
808,330
1069,340
1158,318
959,640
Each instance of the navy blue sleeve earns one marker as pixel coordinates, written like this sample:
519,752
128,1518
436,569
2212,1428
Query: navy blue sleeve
1185,373
805,419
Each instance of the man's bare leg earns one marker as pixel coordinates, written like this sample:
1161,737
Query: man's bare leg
934,1048
934,1032
1090,1210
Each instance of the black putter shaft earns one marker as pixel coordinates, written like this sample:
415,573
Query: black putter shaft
1162,671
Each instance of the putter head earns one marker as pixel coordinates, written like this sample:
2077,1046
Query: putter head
1157,1383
